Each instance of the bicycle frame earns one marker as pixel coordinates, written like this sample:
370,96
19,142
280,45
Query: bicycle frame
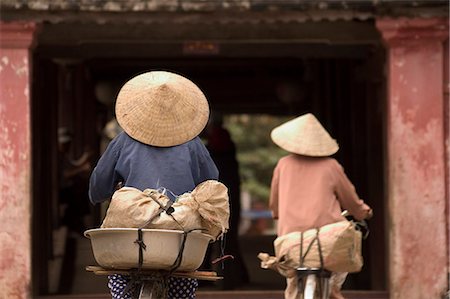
313,283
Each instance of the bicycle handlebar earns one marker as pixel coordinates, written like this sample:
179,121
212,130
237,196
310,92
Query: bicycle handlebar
360,224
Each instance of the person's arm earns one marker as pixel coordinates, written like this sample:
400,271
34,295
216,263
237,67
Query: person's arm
104,178
347,196
273,201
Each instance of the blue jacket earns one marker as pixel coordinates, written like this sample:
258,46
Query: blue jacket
177,168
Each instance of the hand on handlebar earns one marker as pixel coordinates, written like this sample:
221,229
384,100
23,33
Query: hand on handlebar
361,224
369,215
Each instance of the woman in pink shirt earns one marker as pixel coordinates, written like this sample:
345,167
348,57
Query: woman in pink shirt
309,189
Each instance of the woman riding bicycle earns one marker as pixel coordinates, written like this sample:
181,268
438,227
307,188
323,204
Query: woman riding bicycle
162,114
309,189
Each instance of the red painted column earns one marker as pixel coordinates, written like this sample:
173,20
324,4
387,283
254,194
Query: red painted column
447,142
418,259
15,160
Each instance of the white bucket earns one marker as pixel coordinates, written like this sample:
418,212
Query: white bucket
116,248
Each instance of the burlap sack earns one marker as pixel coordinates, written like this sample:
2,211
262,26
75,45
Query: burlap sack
131,207
271,262
211,199
184,217
205,208
340,245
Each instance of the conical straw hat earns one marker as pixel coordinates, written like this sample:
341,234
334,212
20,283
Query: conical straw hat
161,109
304,135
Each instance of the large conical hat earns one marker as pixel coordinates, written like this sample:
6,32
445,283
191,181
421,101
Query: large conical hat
304,135
162,109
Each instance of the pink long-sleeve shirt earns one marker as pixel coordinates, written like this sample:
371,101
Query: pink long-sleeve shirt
309,192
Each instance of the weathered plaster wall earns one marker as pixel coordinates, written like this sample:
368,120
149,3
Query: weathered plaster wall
15,161
447,142
416,157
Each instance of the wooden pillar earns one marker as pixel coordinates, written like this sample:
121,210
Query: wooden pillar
15,159
418,260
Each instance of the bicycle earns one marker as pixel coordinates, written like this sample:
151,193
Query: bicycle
314,283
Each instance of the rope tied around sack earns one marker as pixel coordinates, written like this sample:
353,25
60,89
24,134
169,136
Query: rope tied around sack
319,246
162,208
142,247
167,208
160,279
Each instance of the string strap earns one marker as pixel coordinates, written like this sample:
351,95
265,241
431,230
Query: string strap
142,247
319,247
167,208
303,256
179,258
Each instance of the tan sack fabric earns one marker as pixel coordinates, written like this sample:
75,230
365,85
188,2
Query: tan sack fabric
205,208
271,262
213,206
131,207
340,243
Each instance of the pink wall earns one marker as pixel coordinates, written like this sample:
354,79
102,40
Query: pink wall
15,160
418,258
447,141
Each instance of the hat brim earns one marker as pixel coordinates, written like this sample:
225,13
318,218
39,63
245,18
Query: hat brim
304,135
162,109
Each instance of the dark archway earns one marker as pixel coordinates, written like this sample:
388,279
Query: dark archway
341,83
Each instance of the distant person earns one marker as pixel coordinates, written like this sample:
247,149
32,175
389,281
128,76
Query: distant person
109,132
73,174
223,152
309,188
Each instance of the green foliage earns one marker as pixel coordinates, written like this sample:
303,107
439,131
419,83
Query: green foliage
256,153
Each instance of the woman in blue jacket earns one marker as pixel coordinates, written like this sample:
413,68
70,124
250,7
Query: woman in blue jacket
162,114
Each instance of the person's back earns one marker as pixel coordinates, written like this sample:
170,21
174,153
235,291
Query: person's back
177,168
308,192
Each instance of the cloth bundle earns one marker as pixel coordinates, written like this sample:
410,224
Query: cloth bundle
340,246
205,208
